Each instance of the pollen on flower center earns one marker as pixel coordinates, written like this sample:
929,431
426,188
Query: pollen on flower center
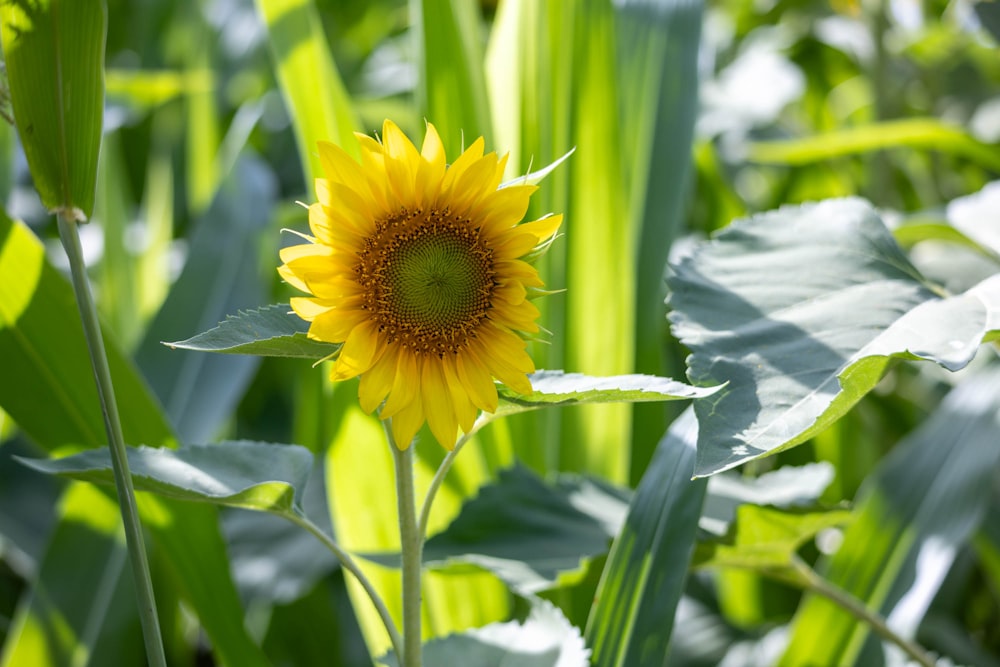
428,280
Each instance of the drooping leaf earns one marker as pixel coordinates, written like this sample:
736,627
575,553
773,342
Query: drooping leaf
251,475
556,388
913,516
545,639
636,601
270,331
54,54
800,310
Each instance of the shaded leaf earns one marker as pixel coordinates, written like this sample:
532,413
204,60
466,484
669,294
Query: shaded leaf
556,388
270,331
527,532
251,475
800,310
54,53
545,639
636,601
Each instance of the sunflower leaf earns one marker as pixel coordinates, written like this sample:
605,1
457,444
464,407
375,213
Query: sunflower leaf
270,331
545,639
801,311
251,475
556,388
535,177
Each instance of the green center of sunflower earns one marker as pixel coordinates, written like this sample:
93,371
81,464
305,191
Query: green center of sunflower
428,279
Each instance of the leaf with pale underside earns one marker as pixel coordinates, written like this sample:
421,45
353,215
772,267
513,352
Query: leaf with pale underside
270,331
251,475
801,310
556,388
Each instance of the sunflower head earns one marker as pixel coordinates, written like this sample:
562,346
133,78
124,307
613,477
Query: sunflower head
419,269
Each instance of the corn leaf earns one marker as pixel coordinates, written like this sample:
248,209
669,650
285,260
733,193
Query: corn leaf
54,53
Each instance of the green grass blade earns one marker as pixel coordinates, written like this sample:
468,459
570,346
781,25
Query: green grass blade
54,53
631,621
313,91
452,86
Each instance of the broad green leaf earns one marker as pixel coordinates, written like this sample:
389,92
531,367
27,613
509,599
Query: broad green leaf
251,475
451,86
975,215
270,331
317,101
918,133
528,533
54,53
55,402
544,639
636,601
913,517
765,539
989,15
801,310
200,391
557,389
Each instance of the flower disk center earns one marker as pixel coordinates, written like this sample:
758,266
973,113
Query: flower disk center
428,280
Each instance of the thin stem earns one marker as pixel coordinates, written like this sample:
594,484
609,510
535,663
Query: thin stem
817,584
411,547
442,472
351,566
119,458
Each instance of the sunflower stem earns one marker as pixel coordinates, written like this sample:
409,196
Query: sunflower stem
442,472
411,546
351,566
149,620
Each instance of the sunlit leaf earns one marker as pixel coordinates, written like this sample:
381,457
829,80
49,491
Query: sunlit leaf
270,331
545,639
54,53
801,310
556,388
250,475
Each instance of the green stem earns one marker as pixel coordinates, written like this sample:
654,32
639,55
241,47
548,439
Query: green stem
820,586
442,472
351,566
119,458
411,547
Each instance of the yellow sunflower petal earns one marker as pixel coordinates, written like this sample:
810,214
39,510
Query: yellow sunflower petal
472,185
465,410
376,383
401,158
476,380
519,318
431,169
338,165
438,406
407,422
471,155
358,353
505,208
307,308
405,384
516,269
543,228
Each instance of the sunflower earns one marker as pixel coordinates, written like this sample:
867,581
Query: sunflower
422,270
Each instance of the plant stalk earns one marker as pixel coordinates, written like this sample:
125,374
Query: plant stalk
411,546
351,566
820,586
148,617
